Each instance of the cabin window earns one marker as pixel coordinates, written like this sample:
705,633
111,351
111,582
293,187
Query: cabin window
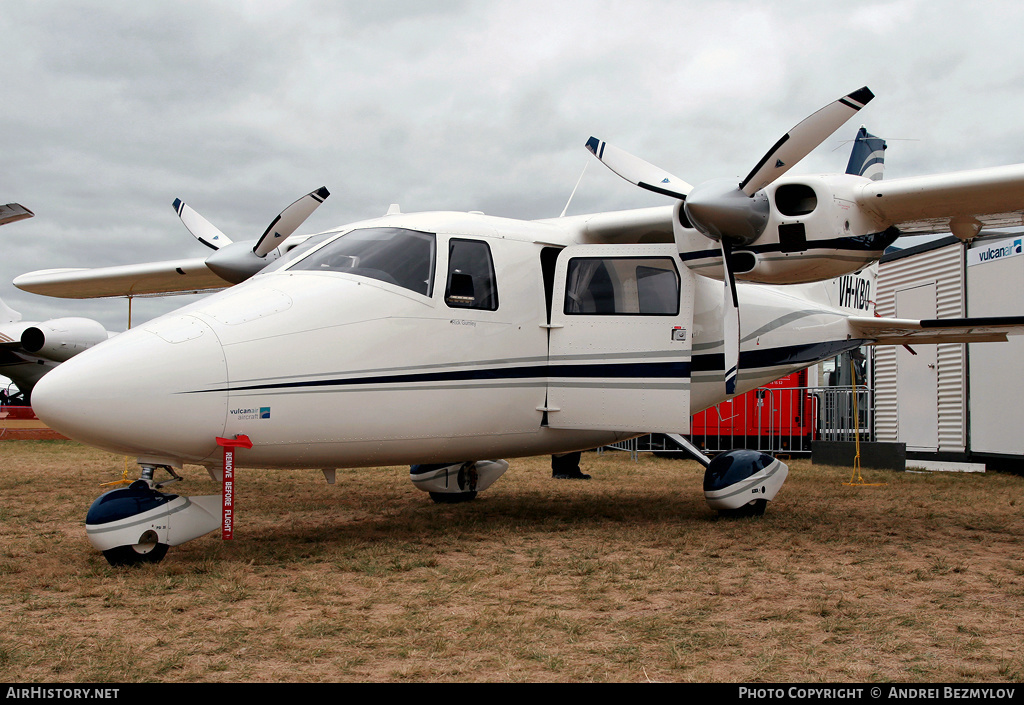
622,286
471,281
397,256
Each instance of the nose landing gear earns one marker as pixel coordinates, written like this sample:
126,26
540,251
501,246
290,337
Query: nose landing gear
136,524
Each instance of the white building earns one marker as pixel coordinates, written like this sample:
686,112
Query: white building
955,401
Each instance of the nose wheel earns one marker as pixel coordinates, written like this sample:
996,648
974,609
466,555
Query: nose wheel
149,550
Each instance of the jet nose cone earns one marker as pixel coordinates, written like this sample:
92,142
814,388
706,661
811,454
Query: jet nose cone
153,390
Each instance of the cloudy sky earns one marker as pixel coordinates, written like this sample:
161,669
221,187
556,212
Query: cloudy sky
109,111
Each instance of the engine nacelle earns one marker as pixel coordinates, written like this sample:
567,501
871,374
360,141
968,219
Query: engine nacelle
815,232
140,516
743,480
60,339
237,262
457,482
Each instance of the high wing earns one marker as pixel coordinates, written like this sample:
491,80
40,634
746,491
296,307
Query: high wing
945,202
938,203
902,331
619,227
194,275
152,278
231,262
12,212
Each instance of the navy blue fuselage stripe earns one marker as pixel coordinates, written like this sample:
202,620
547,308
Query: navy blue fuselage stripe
713,362
778,357
641,370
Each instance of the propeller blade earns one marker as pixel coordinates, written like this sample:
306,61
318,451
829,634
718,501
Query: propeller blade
802,139
291,218
637,171
201,229
730,322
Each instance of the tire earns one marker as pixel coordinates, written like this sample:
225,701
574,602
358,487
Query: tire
452,497
751,509
137,554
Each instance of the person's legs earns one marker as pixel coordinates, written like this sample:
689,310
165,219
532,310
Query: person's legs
567,467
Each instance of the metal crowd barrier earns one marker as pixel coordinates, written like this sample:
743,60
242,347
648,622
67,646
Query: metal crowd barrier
756,422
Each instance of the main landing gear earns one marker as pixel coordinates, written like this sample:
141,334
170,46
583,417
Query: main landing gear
451,483
740,483
737,483
136,524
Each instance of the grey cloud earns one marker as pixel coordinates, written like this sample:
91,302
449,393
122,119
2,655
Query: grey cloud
117,108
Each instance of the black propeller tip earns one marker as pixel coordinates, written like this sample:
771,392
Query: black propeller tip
862,96
322,192
177,205
593,144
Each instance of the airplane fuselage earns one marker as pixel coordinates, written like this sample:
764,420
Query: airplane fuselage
439,337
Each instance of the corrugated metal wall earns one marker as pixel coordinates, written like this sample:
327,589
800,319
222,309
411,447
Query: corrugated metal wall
943,266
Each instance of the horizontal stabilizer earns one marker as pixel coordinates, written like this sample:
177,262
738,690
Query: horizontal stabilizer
901,331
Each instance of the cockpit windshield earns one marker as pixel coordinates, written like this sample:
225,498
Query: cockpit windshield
393,255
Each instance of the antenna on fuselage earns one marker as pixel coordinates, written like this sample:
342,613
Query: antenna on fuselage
574,189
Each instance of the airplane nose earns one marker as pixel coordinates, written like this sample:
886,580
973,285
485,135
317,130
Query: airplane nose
150,391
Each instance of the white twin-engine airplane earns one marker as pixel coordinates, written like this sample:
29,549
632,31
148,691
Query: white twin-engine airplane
446,340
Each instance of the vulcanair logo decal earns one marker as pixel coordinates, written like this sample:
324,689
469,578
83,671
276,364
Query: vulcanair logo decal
999,250
250,413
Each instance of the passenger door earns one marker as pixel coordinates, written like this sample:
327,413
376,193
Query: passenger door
620,339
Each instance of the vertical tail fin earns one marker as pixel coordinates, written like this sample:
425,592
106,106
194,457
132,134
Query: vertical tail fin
8,314
868,156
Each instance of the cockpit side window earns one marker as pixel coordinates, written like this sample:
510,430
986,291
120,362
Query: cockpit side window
397,256
471,281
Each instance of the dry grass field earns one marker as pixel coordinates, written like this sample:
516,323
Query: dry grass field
628,577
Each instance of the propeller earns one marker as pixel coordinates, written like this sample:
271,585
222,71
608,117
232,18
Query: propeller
734,215
637,171
237,261
201,229
290,219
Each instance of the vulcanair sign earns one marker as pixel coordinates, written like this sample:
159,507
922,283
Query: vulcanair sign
995,251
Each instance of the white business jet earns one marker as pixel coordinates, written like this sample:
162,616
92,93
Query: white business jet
448,340
30,349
